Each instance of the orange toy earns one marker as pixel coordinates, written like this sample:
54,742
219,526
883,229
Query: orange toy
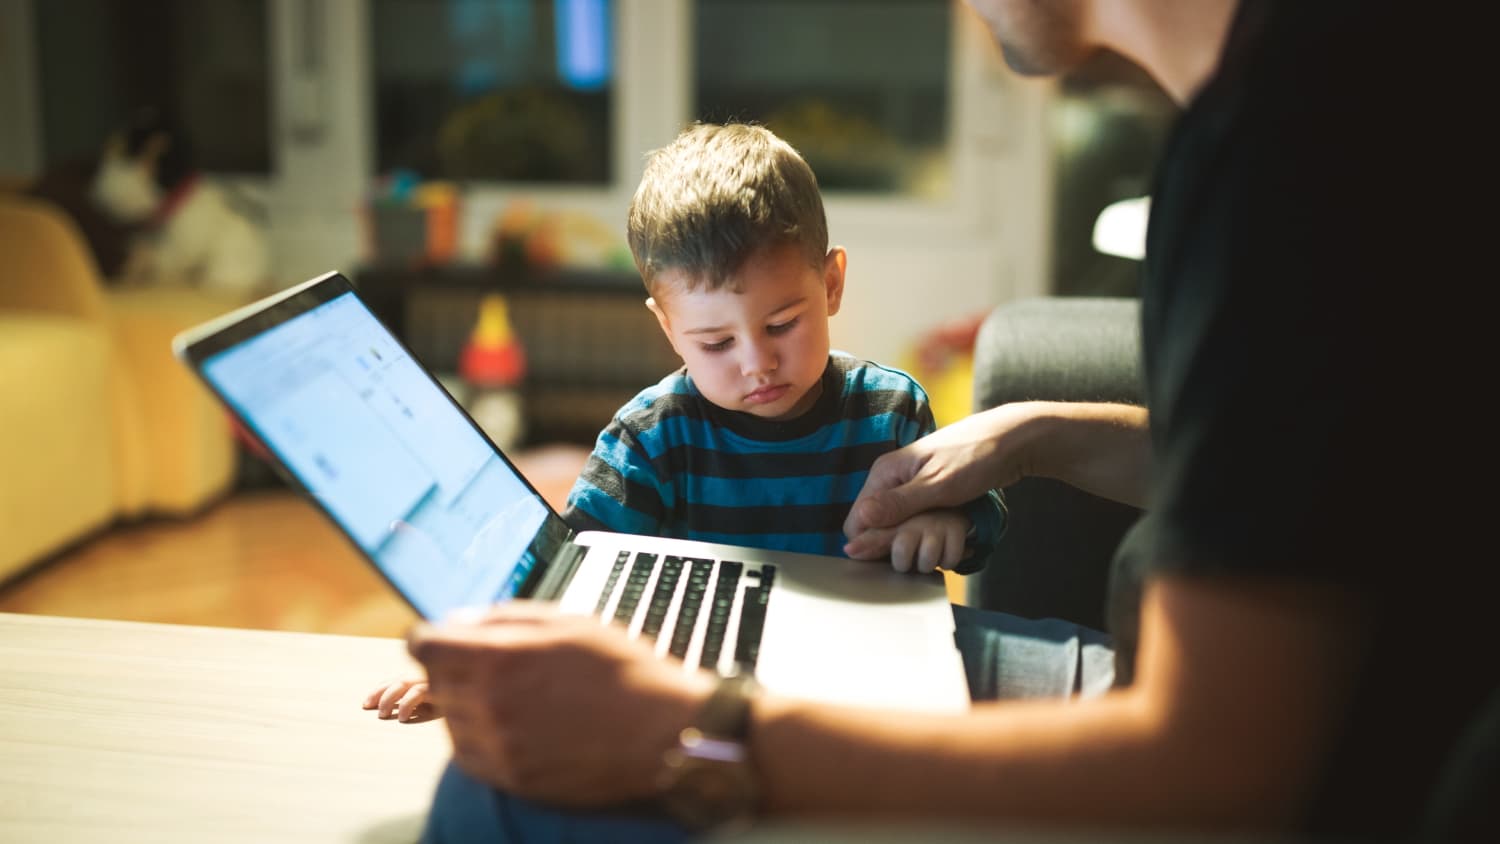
492,357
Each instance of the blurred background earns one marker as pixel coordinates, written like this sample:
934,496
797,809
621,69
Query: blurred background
457,159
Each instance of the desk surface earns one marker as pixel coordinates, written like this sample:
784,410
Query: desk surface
117,731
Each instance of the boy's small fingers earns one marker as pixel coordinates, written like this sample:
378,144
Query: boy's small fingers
953,547
901,552
390,699
952,555
929,553
407,707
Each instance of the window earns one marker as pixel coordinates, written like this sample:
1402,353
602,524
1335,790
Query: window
204,63
934,157
493,90
859,87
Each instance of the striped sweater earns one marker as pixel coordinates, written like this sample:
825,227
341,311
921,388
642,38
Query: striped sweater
671,463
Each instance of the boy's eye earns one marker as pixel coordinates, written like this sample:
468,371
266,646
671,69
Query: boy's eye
783,327
716,347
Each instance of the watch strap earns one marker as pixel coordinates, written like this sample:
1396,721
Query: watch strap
708,780
726,714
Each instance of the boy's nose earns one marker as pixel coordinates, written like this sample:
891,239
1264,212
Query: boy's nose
758,358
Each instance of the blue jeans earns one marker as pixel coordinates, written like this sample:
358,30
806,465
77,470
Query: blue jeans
466,811
1005,657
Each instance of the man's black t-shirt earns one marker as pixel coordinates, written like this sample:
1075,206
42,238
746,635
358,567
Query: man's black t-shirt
1304,331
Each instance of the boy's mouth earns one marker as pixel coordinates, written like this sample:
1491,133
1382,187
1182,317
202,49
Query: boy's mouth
766,395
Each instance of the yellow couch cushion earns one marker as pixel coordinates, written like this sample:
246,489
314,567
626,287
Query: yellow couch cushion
185,430
57,434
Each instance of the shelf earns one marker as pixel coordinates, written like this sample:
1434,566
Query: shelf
590,342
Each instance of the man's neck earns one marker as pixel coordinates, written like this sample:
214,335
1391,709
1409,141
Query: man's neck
1177,41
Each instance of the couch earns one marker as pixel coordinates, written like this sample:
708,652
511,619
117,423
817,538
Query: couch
98,422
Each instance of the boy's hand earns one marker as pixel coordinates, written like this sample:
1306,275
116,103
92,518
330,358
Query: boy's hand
403,699
925,541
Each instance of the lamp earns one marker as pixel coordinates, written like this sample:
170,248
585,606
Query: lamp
1120,229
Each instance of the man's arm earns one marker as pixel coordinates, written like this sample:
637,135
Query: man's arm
1240,685
1104,449
1101,448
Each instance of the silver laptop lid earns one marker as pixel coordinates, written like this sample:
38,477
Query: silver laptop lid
379,445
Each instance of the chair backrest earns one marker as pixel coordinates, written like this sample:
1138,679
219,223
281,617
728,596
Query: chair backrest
46,265
1055,558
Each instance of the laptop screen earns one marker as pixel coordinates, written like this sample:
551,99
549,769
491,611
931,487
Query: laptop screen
387,454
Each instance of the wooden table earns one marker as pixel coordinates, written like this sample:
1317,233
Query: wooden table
117,732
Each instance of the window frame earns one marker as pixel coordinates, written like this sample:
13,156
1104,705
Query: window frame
994,222
322,117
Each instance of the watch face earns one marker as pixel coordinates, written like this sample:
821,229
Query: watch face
709,793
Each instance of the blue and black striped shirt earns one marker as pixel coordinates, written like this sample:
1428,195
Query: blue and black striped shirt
671,463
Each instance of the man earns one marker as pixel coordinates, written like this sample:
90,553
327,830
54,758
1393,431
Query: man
1311,655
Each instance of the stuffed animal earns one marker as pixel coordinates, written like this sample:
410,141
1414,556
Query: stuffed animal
192,231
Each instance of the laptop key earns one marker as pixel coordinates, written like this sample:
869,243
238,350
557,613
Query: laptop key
753,620
718,613
661,597
609,584
635,584
692,600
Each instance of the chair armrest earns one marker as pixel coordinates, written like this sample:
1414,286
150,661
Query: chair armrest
1054,559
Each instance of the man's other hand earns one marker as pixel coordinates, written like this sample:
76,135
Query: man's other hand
553,707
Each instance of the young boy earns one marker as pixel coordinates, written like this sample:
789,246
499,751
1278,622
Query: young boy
765,436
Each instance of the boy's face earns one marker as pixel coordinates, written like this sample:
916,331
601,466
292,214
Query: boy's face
762,350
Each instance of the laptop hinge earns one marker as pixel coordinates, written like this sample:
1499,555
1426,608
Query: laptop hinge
559,573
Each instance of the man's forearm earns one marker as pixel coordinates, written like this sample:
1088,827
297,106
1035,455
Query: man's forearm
1000,762
1237,695
1101,448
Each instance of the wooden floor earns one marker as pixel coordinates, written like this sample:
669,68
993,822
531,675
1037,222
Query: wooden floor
266,560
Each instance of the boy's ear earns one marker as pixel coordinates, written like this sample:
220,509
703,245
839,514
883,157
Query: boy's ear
834,265
663,321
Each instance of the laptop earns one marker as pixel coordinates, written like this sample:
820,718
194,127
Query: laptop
361,427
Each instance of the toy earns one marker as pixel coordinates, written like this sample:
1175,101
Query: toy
492,364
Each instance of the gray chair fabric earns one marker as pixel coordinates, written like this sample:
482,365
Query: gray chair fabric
1054,560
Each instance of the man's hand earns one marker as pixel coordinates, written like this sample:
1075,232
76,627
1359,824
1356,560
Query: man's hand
1101,448
951,466
555,707
924,541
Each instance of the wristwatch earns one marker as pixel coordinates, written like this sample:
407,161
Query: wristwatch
708,781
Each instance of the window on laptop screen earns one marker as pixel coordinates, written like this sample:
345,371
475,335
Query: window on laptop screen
388,455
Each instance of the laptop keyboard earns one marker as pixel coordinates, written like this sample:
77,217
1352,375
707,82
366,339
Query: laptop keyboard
697,605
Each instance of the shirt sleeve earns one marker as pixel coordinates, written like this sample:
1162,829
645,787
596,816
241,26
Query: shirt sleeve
988,516
620,488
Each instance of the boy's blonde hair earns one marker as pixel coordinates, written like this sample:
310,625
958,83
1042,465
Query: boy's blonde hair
717,195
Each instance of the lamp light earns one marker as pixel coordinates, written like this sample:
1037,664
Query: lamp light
1120,229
